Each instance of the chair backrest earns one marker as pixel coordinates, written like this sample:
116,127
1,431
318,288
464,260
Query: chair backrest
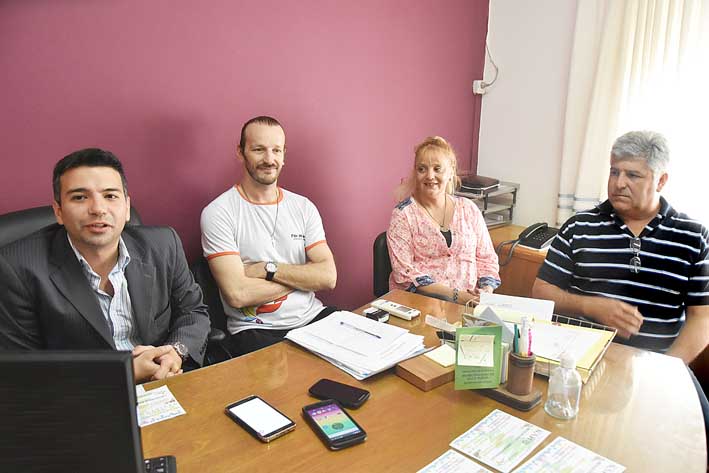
382,265
16,225
210,293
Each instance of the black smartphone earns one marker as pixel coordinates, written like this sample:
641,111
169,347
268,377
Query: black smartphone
333,425
378,315
259,418
348,396
445,335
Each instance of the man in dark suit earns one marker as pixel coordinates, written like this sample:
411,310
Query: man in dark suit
90,282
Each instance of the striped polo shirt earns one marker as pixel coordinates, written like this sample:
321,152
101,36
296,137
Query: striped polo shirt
591,256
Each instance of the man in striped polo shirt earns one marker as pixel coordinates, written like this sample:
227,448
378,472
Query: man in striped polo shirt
634,263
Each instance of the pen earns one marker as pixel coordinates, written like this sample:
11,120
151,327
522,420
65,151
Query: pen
360,329
529,347
515,344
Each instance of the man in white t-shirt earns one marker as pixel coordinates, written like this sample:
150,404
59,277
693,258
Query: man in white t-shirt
266,246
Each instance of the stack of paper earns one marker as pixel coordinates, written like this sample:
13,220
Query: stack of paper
357,345
550,339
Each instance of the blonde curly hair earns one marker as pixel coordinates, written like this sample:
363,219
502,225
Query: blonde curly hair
430,144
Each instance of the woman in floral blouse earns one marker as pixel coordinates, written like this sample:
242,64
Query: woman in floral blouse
438,243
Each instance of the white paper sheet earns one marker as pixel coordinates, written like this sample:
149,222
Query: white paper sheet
488,314
441,324
500,440
157,405
443,355
453,462
476,350
550,341
562,456
540,309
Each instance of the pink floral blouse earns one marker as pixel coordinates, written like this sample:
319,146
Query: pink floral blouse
420,256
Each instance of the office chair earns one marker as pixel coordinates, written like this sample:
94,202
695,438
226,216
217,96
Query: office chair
217,346
382,265
19,224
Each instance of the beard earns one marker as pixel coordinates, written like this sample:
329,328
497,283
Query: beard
265,179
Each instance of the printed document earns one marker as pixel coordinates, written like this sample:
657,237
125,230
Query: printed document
563,455
500,440
157,405
453,462
553,340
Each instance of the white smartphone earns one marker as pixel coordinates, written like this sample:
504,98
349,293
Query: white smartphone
259,418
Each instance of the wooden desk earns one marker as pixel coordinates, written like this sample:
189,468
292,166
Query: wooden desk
517,276
640,410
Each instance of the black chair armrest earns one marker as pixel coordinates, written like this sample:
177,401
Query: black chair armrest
216,335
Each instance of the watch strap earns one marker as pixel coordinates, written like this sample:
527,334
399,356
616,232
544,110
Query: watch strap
270,274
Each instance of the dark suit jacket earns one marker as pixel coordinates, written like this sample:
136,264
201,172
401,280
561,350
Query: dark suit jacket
46,301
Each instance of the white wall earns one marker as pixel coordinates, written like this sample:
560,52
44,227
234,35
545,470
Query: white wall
522,117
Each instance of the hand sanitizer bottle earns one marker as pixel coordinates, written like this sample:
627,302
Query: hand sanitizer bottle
564,390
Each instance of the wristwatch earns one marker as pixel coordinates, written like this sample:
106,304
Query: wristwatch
271,269
181,350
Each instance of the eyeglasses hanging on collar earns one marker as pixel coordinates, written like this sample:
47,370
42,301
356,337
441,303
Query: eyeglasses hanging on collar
635,260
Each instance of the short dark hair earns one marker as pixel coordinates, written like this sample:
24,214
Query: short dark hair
91,157
262,120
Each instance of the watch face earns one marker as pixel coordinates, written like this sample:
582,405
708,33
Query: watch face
181,349
271,267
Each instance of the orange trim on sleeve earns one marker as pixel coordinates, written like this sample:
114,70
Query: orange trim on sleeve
307,248
223,253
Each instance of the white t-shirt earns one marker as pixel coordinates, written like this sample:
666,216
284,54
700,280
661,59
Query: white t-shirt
232,225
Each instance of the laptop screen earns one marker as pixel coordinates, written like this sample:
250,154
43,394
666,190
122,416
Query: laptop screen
68,412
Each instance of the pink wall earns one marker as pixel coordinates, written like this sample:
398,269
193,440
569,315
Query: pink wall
167,84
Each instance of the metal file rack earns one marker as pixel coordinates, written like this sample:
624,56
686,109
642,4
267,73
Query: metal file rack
496,205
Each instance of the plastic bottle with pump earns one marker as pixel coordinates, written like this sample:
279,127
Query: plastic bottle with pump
564,389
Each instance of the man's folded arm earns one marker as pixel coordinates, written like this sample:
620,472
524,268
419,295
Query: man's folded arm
240,290
318,274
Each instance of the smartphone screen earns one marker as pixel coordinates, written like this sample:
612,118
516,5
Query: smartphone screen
263,419
333,421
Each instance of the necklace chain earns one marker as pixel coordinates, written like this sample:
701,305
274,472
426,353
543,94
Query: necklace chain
275,220
445,211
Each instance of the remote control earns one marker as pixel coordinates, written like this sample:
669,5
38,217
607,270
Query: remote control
395,309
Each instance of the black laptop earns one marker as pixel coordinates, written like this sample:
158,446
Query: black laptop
72,412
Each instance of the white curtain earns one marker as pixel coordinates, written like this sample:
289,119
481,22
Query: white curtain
637,64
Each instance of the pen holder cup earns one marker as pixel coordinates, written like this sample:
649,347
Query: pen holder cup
520,374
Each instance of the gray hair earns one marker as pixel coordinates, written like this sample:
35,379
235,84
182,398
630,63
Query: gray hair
648,145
